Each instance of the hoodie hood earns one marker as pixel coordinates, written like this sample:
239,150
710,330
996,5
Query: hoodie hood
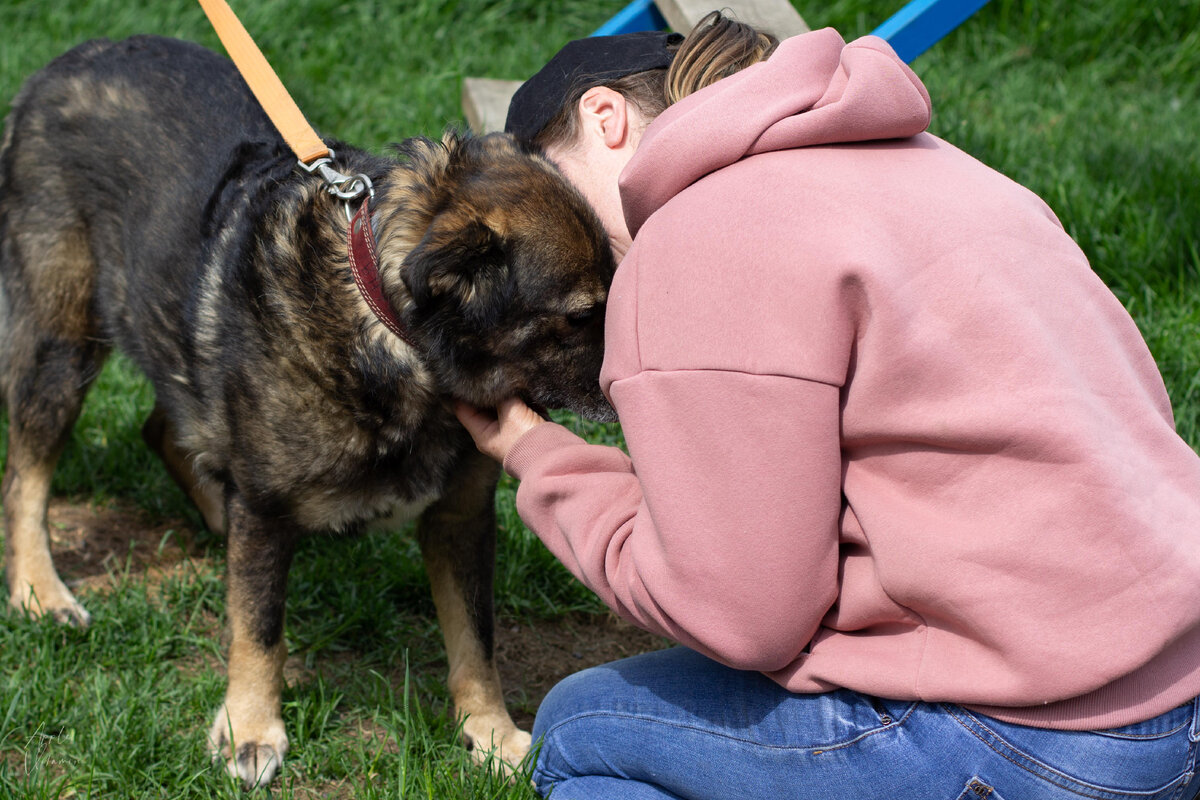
814,90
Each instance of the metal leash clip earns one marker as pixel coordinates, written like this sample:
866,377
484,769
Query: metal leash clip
343,187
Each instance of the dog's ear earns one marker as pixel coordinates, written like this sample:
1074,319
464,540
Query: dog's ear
463,263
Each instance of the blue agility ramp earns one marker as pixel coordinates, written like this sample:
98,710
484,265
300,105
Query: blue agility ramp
640,15
922,23
910,31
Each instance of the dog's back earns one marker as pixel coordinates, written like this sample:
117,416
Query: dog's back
93,145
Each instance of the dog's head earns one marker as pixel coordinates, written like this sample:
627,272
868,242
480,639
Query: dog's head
504,269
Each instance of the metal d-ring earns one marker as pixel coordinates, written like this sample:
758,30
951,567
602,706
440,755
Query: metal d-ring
343,187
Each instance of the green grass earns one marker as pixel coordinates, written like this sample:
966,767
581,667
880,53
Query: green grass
1092,105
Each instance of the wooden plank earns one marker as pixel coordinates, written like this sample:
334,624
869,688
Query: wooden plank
485,102
779,17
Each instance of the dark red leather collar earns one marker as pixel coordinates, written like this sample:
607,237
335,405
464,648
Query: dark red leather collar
365,266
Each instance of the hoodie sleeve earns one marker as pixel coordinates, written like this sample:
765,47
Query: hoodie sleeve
724,537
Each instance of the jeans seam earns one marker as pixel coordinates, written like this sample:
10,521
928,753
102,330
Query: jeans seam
1190,721
1146,737
818,750
1183,784
723,735
1097,792
1193,758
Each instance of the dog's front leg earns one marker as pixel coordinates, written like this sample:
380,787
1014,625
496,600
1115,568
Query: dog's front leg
458,543
248,731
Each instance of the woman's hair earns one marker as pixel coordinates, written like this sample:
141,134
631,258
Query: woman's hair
717,47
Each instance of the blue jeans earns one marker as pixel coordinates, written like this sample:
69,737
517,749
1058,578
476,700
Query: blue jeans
674,724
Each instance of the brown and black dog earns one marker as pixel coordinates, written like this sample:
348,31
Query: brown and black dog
146,203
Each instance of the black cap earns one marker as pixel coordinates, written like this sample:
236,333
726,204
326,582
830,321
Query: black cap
584,63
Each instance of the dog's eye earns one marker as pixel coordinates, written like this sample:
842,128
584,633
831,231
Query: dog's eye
583,317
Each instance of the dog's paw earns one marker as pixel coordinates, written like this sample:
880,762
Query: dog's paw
516,746
52,599
252,753
74,615
256,764
503,748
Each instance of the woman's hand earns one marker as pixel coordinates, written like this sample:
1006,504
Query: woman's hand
496,431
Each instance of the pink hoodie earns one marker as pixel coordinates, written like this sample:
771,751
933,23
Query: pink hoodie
888,430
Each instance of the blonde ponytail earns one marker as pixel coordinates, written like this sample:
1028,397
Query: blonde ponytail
716,48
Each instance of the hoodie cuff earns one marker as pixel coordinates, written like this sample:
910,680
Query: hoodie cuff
535,443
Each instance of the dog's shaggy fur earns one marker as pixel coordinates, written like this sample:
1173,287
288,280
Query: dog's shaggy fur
147,203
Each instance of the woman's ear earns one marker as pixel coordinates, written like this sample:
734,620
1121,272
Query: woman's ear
605,112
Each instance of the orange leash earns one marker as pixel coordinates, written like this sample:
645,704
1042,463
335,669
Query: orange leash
265,84
314,156
312,153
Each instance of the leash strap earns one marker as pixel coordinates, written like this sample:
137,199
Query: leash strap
265,84
314,157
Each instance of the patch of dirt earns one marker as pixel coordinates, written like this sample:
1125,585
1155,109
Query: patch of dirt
92,543
95,544
15,762
533,657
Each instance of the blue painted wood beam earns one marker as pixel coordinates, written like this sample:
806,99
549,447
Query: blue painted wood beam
919,25
640,15
910,31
